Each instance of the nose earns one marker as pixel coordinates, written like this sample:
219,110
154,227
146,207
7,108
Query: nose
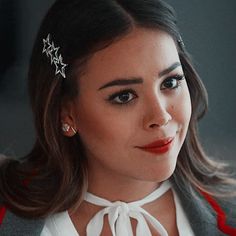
156,114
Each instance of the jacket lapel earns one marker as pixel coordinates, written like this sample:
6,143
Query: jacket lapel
202,219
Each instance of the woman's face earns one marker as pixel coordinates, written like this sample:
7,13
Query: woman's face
133,94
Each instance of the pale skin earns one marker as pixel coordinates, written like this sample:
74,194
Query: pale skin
156,106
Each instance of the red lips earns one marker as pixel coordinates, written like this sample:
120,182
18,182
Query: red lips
159,146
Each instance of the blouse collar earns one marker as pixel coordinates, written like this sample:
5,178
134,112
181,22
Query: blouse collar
119,215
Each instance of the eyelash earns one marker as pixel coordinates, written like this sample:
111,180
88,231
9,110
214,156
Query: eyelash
178,79
112,97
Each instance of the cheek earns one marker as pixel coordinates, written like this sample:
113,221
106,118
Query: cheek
187,107
182,109
99,126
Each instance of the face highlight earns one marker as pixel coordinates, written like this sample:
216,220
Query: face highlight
134,93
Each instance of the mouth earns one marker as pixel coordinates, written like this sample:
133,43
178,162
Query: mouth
159,146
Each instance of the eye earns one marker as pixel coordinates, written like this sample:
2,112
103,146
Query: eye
172,82
122,97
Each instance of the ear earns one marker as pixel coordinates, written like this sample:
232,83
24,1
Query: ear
68,122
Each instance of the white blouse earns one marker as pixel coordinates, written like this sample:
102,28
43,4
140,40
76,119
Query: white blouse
119,214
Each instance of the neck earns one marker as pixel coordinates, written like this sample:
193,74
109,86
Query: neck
115,187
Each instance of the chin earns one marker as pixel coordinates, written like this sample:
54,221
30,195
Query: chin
161,175
156,176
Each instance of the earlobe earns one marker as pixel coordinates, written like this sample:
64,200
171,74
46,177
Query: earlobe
68,130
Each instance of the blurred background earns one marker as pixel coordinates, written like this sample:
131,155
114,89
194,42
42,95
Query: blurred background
208,30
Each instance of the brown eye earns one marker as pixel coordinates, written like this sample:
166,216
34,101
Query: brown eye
172,82
122,97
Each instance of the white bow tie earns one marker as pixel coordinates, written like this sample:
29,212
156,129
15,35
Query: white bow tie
119,214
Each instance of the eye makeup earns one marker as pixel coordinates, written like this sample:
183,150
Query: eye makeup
125,96
172,82
117,97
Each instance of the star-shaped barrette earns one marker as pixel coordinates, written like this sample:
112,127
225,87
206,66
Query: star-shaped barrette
181,42
51,51
60,66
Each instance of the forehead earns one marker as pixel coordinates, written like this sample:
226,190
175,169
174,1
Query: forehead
141,52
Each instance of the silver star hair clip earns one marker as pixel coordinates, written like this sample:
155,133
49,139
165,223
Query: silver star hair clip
51,52
181,42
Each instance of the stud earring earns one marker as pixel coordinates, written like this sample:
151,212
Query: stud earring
73,130
66,128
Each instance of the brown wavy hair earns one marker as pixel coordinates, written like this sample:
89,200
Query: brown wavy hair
53,176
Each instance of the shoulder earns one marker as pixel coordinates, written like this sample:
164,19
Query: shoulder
207,215
228,207
11,224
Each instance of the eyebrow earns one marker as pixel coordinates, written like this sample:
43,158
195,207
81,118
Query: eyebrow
137,80
169,69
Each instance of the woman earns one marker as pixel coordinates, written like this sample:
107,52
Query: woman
115,101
